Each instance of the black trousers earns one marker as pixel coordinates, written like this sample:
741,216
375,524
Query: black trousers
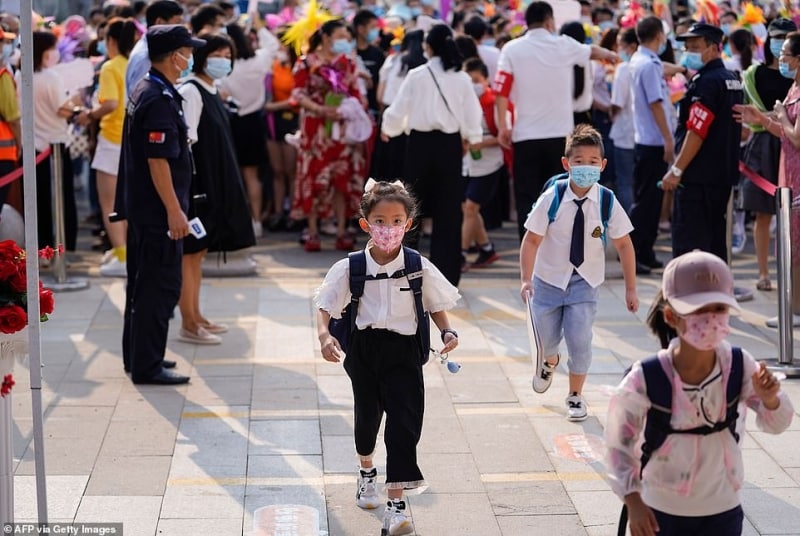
152,292
535,161
699,219
44,202
386,374
648,168
433,172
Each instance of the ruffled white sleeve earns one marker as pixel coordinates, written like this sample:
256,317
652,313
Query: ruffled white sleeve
334,293
437,292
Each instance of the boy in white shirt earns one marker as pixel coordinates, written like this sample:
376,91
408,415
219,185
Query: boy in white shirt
562,262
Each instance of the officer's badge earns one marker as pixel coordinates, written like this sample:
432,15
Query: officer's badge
597,233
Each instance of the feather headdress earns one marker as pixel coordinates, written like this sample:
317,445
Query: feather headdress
300,32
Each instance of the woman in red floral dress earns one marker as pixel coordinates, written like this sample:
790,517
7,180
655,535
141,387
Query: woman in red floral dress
330,173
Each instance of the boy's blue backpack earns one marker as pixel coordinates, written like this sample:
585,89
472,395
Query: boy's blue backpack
342,328
657,423
560,182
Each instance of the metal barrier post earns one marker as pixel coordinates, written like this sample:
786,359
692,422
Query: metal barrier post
785,362
60,280
740,293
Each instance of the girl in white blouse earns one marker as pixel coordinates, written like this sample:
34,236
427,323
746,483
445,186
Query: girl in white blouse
383,361
437,107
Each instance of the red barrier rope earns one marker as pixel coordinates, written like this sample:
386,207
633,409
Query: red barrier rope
766,186
17,173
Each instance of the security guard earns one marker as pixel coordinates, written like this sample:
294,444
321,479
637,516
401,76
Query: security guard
707,165
153,194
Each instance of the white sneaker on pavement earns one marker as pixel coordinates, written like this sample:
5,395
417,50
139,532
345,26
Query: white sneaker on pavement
200,337
114,268
576,408
544,376
367,493
396,521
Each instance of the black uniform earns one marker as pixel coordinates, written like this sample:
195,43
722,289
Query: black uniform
701,201
154,128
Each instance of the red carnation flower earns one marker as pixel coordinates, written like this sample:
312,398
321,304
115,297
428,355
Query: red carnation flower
46,301
8,383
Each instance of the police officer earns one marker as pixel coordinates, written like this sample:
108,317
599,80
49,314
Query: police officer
707,165
153,194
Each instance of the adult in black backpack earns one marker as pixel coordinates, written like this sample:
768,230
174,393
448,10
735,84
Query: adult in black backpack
379,300
686,403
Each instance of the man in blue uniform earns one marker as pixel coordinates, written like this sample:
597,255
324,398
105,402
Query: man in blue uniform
707,165
153,194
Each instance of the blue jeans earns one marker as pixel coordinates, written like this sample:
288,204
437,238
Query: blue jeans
566,314
724,524
623,189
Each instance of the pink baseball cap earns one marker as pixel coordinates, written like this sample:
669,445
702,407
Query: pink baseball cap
697,279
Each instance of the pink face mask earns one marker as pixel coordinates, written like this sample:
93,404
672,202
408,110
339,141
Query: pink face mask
705,331
387,237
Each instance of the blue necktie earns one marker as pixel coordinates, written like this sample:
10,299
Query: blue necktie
576,246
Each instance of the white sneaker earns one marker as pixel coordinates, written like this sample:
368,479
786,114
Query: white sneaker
367,494
114,268
258,229
544,376
395,519
738,242
773,322
576,408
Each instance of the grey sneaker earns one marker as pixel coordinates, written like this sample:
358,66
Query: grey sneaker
544,376
396,521
367,494
576,408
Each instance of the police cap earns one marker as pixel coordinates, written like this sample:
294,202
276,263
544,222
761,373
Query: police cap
700,29
165,38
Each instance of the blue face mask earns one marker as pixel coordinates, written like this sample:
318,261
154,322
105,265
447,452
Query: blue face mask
416,11
584,176
775,46
8,50
726,29
606,25
490,42
373,35
692,61
624,56
190,63
218,68
102,49
341,46
785,72
661,48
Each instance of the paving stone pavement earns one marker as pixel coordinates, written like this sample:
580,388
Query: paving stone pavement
265,421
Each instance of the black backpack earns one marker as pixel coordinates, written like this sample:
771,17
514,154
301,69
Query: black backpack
657,423
342,328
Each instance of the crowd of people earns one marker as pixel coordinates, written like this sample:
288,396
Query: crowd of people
206,125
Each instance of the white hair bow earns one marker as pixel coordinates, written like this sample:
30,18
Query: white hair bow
371,183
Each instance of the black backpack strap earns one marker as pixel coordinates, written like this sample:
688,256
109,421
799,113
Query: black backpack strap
358,275
733,390
412,260
657,424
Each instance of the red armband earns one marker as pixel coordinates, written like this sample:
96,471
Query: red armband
502,83
700,119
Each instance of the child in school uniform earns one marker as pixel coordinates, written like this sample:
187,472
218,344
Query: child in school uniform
563,262
383,360
690,485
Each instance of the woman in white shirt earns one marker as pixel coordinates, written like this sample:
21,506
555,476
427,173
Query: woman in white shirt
224,212
437,107
245,86
53,107
391,76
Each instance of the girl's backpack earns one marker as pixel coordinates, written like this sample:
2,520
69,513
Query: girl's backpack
657,423
342,328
